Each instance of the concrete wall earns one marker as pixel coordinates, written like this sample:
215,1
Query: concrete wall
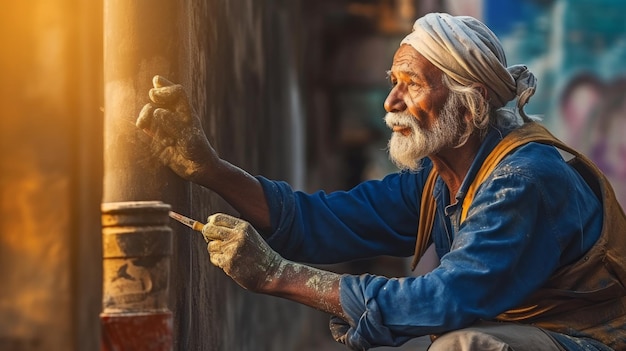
243,80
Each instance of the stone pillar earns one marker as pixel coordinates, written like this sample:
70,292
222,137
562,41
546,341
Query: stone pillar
142,38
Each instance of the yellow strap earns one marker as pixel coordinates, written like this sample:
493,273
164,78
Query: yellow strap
523,135
520,136
427,218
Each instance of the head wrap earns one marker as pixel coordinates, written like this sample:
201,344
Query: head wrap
468,52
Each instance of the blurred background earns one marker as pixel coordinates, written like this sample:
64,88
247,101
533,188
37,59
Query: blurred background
289,89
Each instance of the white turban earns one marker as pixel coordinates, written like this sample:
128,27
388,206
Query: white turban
468,52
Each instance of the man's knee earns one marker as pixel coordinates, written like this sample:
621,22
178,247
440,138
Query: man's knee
468,340
488,336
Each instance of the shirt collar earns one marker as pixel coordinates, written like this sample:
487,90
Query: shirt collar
493,137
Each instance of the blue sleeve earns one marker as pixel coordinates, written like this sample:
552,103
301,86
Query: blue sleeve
375,218
525,222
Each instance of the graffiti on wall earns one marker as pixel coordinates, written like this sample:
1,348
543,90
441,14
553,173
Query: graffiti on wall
576,48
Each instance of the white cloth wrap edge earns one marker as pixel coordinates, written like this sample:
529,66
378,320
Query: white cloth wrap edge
469,52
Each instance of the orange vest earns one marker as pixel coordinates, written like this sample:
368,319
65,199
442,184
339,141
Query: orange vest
585,298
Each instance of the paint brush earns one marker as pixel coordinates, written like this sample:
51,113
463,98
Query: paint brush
191,223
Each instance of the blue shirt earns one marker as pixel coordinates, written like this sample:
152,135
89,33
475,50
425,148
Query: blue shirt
532,215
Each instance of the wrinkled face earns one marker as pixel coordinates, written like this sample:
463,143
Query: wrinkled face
422,113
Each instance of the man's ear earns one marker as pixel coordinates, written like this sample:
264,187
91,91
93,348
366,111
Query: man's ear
482,90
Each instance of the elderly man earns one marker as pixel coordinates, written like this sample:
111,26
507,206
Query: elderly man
531,253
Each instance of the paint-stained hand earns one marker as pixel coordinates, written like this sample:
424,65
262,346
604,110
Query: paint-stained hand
178,139
237,248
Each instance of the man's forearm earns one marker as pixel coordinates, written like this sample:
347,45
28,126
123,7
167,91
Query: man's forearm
241,190
307,285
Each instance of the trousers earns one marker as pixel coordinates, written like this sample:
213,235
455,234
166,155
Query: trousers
491,336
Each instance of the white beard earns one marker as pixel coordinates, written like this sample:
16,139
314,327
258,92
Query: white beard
407,152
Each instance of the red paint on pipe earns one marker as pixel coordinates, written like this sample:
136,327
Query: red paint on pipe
136,331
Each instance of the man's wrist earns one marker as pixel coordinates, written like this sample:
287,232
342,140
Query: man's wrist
275,269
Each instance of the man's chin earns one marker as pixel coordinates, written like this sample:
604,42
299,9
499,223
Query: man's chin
405,155
405,159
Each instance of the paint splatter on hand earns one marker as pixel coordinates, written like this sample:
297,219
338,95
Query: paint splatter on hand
178,138
237,248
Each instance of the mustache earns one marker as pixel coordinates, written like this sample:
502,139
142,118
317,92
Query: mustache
399,119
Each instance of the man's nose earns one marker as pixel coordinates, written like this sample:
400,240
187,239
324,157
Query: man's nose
395,101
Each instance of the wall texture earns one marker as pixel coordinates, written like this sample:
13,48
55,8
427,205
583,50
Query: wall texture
243,81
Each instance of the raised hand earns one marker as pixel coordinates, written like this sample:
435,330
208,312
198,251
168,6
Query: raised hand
178,139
